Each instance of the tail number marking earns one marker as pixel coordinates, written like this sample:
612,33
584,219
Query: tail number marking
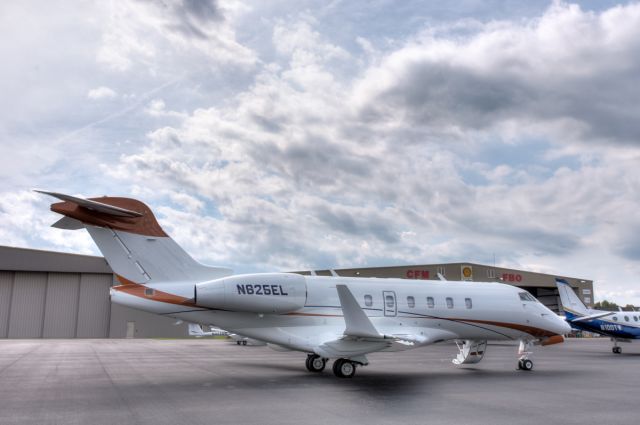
249,289
610,327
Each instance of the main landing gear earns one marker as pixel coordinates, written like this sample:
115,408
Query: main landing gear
315,363
524,351
342,368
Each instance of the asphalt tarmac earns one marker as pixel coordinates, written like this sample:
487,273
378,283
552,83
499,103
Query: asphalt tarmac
206,381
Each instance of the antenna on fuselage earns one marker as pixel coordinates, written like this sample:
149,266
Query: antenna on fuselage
333,273
313,272
441,277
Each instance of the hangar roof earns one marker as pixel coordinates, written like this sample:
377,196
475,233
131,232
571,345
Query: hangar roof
35,260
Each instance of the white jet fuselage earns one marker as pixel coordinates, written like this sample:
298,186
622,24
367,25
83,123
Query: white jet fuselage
424,312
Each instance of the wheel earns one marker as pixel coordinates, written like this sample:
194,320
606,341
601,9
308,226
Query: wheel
525,364
344,368
244,342
315,363
617,350
238,342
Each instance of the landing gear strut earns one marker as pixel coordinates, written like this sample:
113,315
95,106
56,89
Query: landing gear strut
344,368
315,363
524,362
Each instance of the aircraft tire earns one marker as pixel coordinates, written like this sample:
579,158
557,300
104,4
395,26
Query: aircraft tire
244,342
315,363
525,364
344,368
617,350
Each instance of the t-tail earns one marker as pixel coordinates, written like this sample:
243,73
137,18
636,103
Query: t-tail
131,240
571,304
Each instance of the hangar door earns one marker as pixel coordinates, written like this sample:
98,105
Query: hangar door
54,305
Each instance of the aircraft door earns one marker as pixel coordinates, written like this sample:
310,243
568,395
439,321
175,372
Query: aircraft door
390,305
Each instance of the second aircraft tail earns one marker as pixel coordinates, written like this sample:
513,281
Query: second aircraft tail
571,304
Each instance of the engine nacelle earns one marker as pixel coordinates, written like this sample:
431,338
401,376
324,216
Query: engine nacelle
254,293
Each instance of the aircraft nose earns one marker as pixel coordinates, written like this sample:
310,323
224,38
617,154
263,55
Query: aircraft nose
563,326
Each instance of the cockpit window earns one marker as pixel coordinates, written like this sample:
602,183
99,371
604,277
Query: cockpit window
525,296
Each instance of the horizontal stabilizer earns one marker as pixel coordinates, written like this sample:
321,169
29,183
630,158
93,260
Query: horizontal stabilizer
68,223
356,321
593,316
93,205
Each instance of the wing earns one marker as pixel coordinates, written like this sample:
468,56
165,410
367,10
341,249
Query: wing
361,337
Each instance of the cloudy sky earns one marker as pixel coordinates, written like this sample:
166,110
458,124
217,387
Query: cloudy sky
296,134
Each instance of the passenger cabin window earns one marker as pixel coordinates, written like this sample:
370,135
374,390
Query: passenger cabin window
525,296
389,300
430,302
626,318
635,318
449,302
615,318
149,292
411,302
468,303
368,300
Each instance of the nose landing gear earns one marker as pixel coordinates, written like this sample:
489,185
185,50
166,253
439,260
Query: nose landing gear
524,351
525,364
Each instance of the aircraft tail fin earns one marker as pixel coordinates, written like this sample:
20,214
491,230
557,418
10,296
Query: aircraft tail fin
570,301
131,240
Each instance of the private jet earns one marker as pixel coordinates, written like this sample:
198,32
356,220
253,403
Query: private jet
327,317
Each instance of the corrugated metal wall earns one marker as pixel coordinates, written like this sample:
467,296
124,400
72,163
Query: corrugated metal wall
94,305
54,305
6,287
27,305
61,306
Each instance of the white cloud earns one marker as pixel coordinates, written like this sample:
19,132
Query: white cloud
306,148
571,71
154,34
101,92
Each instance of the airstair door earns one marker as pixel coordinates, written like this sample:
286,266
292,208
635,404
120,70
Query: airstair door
390,306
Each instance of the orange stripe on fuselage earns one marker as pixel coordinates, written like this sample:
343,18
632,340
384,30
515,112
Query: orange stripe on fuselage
138,290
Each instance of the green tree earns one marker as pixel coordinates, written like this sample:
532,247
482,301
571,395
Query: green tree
606,305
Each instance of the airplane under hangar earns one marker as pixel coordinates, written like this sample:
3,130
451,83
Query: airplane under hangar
46,294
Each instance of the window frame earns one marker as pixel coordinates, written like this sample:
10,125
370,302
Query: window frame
431,302
368,300
389,301
411,301
449,302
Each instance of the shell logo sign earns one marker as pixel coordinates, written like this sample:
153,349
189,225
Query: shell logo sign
466,272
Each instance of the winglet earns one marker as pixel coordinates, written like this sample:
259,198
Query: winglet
356,321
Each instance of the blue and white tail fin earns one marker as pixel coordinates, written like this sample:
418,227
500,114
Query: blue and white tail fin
571,304
131,240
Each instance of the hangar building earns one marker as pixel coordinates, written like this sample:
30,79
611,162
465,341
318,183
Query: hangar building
45,294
